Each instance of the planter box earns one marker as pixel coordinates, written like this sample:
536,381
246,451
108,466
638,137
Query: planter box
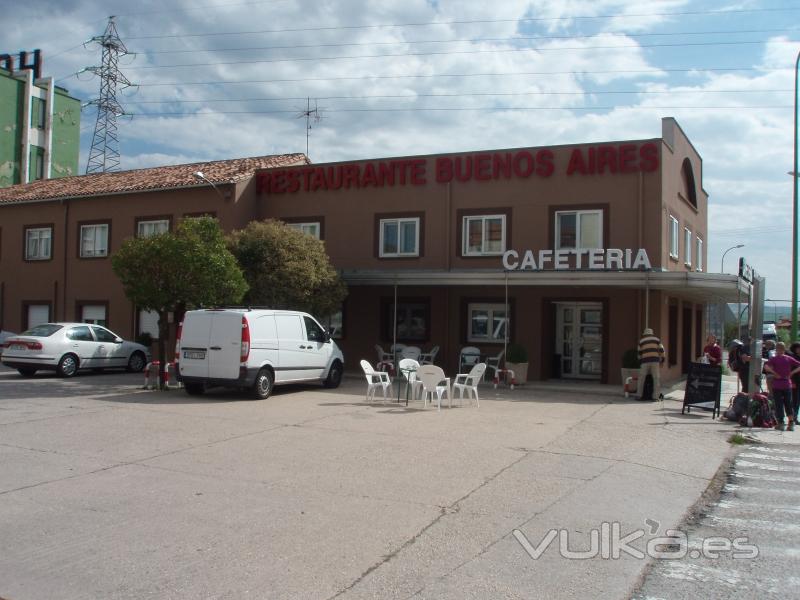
520,371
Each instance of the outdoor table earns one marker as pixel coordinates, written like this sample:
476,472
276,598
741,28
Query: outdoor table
400,379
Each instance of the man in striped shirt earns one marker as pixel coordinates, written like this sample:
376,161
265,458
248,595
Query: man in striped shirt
651,355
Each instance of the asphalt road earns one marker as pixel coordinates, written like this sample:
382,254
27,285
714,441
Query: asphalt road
108,491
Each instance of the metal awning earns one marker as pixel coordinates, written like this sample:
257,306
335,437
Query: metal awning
701,287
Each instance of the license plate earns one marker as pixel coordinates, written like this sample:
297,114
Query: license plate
194,354
18,347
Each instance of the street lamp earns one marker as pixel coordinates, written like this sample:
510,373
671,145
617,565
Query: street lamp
722,266
199,176
794,211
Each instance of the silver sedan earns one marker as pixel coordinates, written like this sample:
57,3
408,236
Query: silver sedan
67,347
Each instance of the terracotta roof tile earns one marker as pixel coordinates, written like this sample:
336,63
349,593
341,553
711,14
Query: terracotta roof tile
173,176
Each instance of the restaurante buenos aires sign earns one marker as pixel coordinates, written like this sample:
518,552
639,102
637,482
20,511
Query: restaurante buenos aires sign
612,259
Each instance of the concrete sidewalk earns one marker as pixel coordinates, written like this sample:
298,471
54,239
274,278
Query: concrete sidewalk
110,492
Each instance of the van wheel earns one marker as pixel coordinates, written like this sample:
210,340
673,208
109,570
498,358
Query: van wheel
334,377
195,389
262,387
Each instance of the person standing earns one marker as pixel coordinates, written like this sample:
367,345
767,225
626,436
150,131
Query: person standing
651,355
783,367
712,351
739,361
794,352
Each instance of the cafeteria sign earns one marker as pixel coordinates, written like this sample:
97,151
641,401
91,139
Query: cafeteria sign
613,259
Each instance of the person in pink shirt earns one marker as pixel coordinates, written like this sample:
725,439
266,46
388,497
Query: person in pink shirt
782,366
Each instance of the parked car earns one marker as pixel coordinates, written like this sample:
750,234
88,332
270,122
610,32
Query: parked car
68,347
4,335
254,350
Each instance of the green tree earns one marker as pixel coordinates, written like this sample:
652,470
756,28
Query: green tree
173,271
286,269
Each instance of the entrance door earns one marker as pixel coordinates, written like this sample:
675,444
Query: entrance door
579,339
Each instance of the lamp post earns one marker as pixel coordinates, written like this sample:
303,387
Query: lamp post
199,176
722,265
794,211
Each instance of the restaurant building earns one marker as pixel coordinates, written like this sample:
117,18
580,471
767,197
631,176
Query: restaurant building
575,248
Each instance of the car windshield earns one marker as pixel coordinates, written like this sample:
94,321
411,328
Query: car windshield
45,330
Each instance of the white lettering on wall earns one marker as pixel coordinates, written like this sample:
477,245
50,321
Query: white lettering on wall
612,259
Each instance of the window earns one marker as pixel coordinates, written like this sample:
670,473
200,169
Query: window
413,320
36,168
335,323
484,235
687,246
399,237
579,229
80,334
103,335
37,314
94,314
314,332
312,229
698,261
94,241
38,112
673,237
148,323
150,228
38,242
487,323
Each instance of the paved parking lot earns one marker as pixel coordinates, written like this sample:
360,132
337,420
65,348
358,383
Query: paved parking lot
108,491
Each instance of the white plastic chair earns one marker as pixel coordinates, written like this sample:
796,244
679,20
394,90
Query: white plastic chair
468,382
383,356
469,357
375,380
493,363
410,376
427,358
411,352
432,377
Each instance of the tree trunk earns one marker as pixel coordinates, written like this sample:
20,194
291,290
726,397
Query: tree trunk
163,336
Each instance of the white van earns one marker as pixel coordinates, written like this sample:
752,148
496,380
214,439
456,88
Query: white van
254,349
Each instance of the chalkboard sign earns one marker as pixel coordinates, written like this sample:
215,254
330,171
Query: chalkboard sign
703,387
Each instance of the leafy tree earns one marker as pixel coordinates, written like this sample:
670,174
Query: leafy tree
173,271
286,268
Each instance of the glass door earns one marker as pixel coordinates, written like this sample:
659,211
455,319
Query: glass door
579,339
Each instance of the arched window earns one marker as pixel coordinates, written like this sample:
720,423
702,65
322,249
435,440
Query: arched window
689,188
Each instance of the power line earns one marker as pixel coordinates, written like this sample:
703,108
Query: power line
472,22
458,52
494,74
461,94
467,40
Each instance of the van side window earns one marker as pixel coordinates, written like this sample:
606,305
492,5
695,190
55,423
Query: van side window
290,327
314,331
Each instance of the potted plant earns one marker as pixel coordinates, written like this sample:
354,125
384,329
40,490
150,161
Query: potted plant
630,364
517,361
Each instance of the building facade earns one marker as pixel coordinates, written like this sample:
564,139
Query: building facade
39,124
569,250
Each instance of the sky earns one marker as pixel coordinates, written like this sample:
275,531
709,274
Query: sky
232,78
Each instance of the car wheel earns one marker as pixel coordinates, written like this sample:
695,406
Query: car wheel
136,363
27,371
334,377
67,366
262,387
195,389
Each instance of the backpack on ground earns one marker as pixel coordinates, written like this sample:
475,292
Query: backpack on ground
761,412
738,407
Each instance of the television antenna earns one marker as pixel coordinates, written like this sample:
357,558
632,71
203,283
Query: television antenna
312,117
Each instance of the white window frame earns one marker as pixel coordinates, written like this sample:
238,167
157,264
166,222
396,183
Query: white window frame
687,243
145,319
491,308
94,311
153,223
307,227
399,222
699,253
39,237
465,235
673,238
95,252
578,216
